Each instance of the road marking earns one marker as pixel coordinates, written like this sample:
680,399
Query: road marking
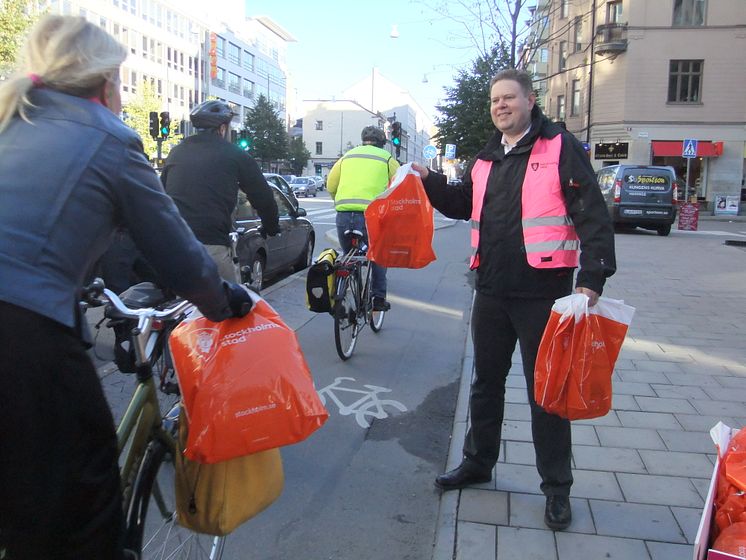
368,405
726,233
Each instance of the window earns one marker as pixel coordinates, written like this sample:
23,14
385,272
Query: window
685,81
560,107
319,148
219,80
614,12
544,55
575,109
689,12
234,83
319,125
562,55
248,61
248,88
234,53
564,8
220,47
578,34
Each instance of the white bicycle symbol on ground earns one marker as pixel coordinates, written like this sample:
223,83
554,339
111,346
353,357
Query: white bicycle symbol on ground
367,405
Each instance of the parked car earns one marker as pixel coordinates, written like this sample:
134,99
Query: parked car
640,195
283,186
320,182
303,186
261,258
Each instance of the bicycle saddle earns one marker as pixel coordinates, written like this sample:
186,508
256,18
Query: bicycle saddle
144,294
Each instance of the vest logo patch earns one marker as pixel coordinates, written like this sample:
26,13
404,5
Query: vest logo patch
534,166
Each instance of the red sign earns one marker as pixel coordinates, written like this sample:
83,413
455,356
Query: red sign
689,216
213,56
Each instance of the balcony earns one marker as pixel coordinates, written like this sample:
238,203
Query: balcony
611,38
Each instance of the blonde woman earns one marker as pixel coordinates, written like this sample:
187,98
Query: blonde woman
70,173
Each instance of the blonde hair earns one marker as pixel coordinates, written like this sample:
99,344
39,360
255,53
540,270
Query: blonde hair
63,53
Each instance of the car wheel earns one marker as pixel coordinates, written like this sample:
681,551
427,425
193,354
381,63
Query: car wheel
664,230
306,258
257,272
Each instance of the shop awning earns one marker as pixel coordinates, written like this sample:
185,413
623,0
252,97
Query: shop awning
705,148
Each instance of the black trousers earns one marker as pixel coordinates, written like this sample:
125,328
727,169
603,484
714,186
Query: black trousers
60,495
497,323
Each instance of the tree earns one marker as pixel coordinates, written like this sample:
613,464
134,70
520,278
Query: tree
465,118
298,155
136,116
269,139
15,22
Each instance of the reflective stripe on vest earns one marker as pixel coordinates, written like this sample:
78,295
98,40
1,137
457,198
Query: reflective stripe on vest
549,236
363,176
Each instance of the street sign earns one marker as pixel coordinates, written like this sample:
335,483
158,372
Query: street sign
689,148
451,151
429,152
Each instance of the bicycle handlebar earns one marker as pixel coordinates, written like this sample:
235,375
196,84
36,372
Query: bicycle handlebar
96,295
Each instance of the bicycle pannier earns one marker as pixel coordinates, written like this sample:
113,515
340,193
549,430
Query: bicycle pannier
215,499
320,282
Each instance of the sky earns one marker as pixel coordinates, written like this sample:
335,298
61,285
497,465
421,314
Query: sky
339,42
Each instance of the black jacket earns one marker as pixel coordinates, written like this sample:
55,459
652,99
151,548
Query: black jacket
503,268
203,175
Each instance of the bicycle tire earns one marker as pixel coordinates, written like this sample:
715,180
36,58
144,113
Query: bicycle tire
346,328
375,318
153,536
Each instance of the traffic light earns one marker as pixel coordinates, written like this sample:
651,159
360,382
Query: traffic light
165,124
154,128
396,136
243,140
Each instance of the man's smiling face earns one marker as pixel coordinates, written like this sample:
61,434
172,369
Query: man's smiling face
510,107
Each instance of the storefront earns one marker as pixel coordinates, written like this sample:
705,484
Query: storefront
669,152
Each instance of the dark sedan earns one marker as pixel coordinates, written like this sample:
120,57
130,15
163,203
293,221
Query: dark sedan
261,258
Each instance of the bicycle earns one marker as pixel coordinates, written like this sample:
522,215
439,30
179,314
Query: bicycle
147,437
353,296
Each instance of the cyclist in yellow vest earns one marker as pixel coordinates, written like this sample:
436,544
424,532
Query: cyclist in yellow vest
355,180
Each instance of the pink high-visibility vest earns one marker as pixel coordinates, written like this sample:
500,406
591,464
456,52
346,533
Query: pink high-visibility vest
548,233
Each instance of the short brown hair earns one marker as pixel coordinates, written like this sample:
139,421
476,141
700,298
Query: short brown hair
520,76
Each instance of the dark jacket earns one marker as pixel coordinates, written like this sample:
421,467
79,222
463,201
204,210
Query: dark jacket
203,175
68,179
504,270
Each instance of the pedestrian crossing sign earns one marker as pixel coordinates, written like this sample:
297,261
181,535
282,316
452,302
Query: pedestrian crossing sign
689,148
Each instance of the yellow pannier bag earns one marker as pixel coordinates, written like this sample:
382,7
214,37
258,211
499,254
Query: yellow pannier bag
320,282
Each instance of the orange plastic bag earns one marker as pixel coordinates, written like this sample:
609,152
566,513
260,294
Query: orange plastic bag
245,384
732,540
400,223
576,356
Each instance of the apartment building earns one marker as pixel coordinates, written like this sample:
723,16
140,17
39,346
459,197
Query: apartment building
635,78
188,56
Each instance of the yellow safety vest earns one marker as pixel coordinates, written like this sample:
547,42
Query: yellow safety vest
364,174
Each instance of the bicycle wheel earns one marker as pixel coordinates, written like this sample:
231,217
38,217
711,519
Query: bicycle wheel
152,529
346,317
375,318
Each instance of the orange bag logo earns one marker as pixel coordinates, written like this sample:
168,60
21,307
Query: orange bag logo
203,341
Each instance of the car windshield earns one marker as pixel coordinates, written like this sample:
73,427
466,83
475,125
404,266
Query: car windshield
299,181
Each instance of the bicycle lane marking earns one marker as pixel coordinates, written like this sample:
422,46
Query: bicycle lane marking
365,402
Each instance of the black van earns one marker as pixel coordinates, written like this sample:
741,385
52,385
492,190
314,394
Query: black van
640,195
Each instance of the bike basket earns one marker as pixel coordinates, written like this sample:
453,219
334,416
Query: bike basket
320,282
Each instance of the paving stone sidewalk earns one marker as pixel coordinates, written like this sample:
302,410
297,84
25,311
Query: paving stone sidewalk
642,471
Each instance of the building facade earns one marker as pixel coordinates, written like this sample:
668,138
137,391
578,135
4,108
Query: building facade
634,79
188,56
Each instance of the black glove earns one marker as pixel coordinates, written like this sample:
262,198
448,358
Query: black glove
239,300
270,230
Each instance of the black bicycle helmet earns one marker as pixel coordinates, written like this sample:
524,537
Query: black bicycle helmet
374,135
211,114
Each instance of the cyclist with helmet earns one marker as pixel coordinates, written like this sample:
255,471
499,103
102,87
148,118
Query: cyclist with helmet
203,175
356,179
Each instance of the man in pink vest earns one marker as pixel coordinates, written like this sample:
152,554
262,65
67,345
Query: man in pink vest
537,214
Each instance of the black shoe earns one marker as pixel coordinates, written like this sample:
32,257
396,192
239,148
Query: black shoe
558,514
380,304
464,475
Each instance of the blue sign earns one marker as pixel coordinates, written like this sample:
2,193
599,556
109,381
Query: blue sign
450,151
429,152
689,148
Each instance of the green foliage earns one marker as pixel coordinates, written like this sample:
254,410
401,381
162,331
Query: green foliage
464,118
298,155
14,25
136,116
269,139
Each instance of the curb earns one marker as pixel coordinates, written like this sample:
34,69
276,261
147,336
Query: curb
446,529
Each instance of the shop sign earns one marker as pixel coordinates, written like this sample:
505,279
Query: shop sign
727,204
616,150
213,55
689,216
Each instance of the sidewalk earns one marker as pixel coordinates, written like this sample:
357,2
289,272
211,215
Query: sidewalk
642,471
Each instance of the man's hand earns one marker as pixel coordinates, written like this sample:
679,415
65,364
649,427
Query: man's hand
592,296
423,171
239,299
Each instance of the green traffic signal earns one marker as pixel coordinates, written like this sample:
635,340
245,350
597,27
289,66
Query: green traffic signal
243,144
396,141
